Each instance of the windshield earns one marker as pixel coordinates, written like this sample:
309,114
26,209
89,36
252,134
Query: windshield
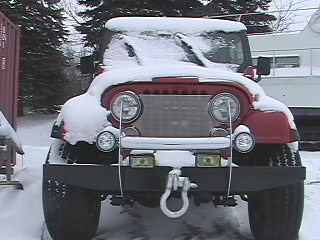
222,47
147,48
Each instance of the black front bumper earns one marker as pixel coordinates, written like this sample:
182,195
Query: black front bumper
106,178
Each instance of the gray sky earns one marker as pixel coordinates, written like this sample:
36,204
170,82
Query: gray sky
302,17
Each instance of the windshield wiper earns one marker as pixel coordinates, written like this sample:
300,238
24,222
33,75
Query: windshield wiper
193,53
131,50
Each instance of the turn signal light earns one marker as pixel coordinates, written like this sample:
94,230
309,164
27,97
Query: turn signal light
142,161
208,160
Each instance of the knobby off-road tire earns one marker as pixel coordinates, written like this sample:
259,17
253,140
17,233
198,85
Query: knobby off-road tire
276,213
71,213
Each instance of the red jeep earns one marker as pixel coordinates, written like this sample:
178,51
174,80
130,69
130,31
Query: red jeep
176,112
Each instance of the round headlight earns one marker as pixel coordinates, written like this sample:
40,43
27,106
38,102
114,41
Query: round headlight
106,141
218,107
131,106
244,142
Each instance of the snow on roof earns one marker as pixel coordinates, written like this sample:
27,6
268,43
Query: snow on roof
6,131
173,24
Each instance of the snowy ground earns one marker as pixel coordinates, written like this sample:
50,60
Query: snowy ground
21,216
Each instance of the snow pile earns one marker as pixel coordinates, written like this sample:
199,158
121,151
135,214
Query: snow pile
184,25
21,215
83,118
7,132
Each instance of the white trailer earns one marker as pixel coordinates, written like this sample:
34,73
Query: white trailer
295,74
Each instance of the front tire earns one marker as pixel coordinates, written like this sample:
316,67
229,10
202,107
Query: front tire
70,212
276,213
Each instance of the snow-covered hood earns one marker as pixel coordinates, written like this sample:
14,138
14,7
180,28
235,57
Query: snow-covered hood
85,118
147,73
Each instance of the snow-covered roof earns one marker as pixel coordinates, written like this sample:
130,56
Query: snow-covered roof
173,24
6,131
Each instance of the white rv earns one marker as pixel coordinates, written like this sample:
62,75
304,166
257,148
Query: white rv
295,73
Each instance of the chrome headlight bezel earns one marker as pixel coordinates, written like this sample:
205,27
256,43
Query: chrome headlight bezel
138,105
234,98
113,138
249,137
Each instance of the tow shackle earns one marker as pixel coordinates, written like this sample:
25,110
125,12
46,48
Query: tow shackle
174,181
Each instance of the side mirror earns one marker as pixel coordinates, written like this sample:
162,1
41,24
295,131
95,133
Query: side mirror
87,65
263,66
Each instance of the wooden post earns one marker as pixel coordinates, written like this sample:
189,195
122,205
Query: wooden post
7,150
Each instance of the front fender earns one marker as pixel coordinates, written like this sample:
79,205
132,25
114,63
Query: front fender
82,118
270,127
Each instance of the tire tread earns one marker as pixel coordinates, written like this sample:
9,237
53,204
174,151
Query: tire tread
280,209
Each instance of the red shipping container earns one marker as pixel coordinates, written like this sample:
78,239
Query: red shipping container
9,68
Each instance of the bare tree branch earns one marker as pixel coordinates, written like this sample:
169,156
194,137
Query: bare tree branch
285,16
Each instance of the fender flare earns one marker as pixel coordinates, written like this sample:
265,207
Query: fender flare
270,127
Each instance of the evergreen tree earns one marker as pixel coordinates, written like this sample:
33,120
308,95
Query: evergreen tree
98,12
42,62
256,20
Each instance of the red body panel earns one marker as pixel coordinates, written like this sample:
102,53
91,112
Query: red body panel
266,127
179,89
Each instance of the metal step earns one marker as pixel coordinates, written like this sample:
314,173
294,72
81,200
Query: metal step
15,184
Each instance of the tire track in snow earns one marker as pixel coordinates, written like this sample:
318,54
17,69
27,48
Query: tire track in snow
200,223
